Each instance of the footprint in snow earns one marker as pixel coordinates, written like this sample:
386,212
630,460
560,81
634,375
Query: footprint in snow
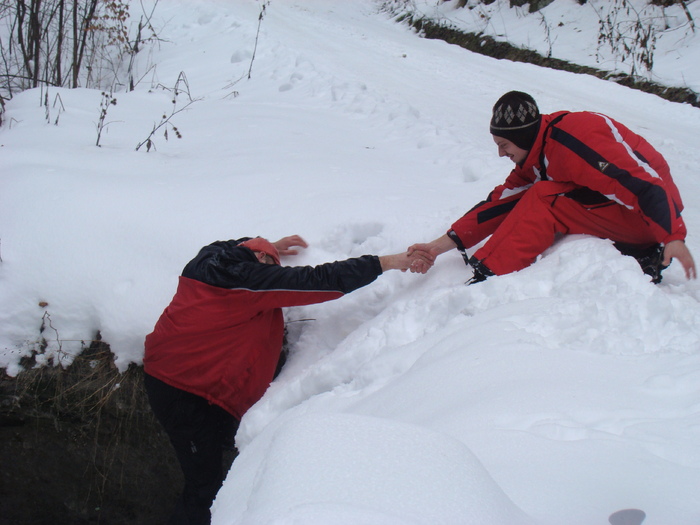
347,238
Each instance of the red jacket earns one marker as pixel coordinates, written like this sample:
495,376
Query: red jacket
604,158
220,337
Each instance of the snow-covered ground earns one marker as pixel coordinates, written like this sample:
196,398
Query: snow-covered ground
603,34
558,394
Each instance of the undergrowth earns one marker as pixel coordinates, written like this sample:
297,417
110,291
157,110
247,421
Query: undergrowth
86,436
90,385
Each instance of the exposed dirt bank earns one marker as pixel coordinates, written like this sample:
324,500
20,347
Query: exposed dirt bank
81,446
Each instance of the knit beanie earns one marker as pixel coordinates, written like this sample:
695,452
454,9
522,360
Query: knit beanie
262,245
516,118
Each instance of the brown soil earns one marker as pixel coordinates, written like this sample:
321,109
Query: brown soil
81,446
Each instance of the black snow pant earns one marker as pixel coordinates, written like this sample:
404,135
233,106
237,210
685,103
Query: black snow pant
202,435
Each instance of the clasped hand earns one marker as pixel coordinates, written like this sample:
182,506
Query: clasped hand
422,257
408,261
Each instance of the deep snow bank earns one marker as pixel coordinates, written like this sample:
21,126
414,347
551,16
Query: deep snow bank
361,470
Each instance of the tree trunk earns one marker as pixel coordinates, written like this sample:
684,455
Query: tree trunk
59,44
80,34
35,38
26,52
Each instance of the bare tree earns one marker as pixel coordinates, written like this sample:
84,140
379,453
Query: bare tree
83,14
67,43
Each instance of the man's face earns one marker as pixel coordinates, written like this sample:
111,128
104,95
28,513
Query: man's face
507,149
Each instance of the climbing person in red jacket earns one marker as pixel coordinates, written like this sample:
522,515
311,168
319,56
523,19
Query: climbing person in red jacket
215,348
575,173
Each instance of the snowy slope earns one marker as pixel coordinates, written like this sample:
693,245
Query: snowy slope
555,395
603,34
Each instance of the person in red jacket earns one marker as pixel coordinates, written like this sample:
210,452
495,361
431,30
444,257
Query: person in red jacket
575,173
215,348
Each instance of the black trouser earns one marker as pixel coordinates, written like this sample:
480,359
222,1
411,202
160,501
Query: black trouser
199,432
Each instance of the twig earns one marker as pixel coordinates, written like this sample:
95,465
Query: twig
687,13
107,100
257,35
252,58
61,109
164,122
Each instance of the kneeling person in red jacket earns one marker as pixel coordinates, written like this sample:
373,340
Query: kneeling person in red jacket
214,350
575,173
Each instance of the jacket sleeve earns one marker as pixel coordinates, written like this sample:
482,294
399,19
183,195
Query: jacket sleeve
234,267
620,165
340,276
483,219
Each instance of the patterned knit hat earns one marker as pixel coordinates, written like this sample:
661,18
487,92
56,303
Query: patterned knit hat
516,118
258,244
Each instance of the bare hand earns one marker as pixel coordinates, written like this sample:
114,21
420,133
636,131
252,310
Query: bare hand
403,261
427,252
678,250
421,260
426,247
285,243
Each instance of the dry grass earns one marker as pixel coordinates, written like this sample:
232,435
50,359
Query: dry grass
84,436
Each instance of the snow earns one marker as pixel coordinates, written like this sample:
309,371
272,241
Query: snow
602,34
558,394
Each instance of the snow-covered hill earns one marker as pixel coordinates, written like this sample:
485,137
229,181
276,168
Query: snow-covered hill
632,37
558,394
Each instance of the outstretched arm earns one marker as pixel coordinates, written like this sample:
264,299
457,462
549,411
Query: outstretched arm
678,250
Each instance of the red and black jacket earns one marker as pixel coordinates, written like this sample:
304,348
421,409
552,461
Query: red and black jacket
220,337
601,156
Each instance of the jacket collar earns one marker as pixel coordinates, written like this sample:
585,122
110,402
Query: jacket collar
534,160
